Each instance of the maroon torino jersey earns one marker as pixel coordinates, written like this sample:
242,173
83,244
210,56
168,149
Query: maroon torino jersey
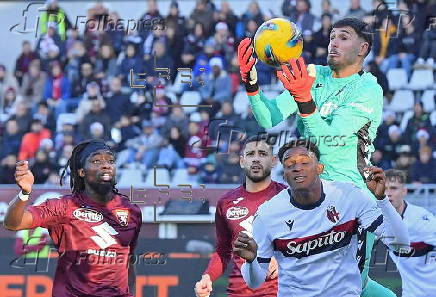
234,213
94,242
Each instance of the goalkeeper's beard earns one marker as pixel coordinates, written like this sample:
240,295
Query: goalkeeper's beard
257,178
102,188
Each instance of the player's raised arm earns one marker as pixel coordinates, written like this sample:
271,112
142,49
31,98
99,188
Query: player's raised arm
17,218
382,219
268,113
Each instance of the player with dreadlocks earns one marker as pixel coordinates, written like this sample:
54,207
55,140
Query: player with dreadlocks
95,229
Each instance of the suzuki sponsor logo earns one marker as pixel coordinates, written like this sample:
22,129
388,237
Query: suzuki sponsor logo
236,213
88,215
326,240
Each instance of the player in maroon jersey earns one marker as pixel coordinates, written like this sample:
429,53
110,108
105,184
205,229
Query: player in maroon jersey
95,229
234,213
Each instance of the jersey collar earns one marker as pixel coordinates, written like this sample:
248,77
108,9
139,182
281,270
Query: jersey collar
308,206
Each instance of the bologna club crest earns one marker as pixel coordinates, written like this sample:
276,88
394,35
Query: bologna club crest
332,214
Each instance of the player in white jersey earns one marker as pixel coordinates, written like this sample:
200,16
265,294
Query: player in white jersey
310,228
418,267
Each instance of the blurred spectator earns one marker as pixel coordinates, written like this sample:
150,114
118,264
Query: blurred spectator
50,47
117,103
420,120
96,31
76,58
42,167
95,115
223,42
250,29
73,37
174,50
177,23
218,84
427,53
407,51
128,131
85,77
33,83
7,169
65,155
9,100
11,139
326,8
47,146
355,11
202,14
53,179
6,81
160,59
392,144
44,114
300,14
253,12
152,38
421,140
377,159
177,119
141,109
385,43
195,153
132,61
106,63
115,29
321,40
226,15
424,169
213,106
228,167
57,90
23,62
382,80
22,116
32,140
249,125
150,18
208,173
92,94
172,152
97,131
53,14
61,138
405,160
145,147
196,40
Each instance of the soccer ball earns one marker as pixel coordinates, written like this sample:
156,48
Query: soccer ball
278,40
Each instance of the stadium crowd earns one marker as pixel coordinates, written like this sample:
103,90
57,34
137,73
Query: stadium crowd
103,83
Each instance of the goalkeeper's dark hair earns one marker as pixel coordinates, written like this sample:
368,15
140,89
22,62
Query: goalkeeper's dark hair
302,142
361,28
77,183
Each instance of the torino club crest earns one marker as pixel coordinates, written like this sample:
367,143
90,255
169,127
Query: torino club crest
123,216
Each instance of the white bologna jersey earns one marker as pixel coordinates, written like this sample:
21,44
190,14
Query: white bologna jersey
316,245
418,268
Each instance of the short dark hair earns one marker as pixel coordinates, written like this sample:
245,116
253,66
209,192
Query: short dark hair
258,138
360,27
303,142
396,175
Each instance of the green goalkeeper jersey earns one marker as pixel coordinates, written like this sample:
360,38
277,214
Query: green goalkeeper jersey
343,126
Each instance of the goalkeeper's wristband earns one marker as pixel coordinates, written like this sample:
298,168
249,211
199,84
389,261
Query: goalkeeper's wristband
252,89
306,108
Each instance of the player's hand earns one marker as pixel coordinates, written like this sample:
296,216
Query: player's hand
297,80
245,247
203,287
247,62
24,177
273,269
376,181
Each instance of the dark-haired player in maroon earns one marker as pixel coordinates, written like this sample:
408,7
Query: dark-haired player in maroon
95,229
234,213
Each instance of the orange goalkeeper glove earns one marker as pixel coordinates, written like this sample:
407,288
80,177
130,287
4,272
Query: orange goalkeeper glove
247,65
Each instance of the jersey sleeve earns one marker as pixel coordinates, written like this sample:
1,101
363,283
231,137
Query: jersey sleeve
381,218
261,236
134,241
223,250
363,105
270,112
49,213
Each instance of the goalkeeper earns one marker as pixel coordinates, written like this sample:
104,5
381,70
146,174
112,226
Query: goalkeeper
338,106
